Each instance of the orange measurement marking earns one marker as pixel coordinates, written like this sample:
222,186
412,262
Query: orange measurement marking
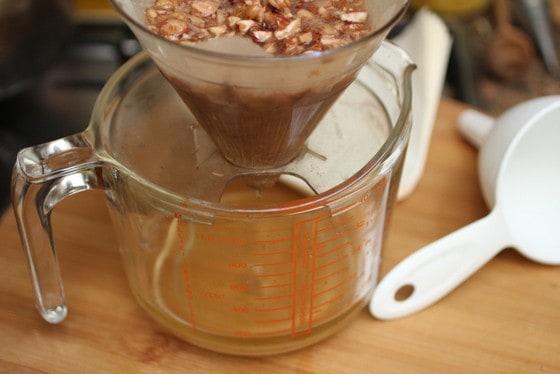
295,248
324,316
335,249
333,313
327,302
312,220
362,223
272,253
241,309
277,297
340,284
272,263
313,274
272,309
338,235
239,287
330,263
216,296
304,257
338,223
273,241
273,321
272,332
273,275
344,208
179,218
333,274
276,285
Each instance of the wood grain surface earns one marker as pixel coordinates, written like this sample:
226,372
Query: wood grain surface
505,319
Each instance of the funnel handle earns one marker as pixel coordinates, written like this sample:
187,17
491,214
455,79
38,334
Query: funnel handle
43,176
432,272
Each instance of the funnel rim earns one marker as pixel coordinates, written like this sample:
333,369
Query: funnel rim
305,56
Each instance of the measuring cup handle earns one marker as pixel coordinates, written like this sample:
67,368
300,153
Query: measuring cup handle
43,176
435,270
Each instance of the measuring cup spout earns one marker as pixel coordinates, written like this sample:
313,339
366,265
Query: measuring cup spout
435,270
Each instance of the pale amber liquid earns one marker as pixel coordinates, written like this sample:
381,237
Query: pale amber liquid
256,288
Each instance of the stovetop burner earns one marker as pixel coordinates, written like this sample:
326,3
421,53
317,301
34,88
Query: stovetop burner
59,103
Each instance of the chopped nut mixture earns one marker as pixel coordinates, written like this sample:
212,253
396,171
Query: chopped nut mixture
281,27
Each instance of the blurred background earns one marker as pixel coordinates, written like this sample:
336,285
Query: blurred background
56,55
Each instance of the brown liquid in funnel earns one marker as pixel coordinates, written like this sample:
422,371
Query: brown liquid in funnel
253,125
260,110
259,132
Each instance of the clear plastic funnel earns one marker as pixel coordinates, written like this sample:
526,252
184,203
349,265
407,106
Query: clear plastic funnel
259,109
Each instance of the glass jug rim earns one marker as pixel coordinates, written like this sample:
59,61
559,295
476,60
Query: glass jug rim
380,30
128,73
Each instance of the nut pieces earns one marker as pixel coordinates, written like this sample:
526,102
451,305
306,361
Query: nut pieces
281,27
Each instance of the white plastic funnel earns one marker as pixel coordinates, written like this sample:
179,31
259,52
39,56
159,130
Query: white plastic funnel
519,170
259,109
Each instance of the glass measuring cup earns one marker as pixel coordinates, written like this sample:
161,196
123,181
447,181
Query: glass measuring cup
241,276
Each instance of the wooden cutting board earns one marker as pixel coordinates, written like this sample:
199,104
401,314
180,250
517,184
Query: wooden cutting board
506,318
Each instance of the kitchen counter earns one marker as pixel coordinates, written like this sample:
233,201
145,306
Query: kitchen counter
506,318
